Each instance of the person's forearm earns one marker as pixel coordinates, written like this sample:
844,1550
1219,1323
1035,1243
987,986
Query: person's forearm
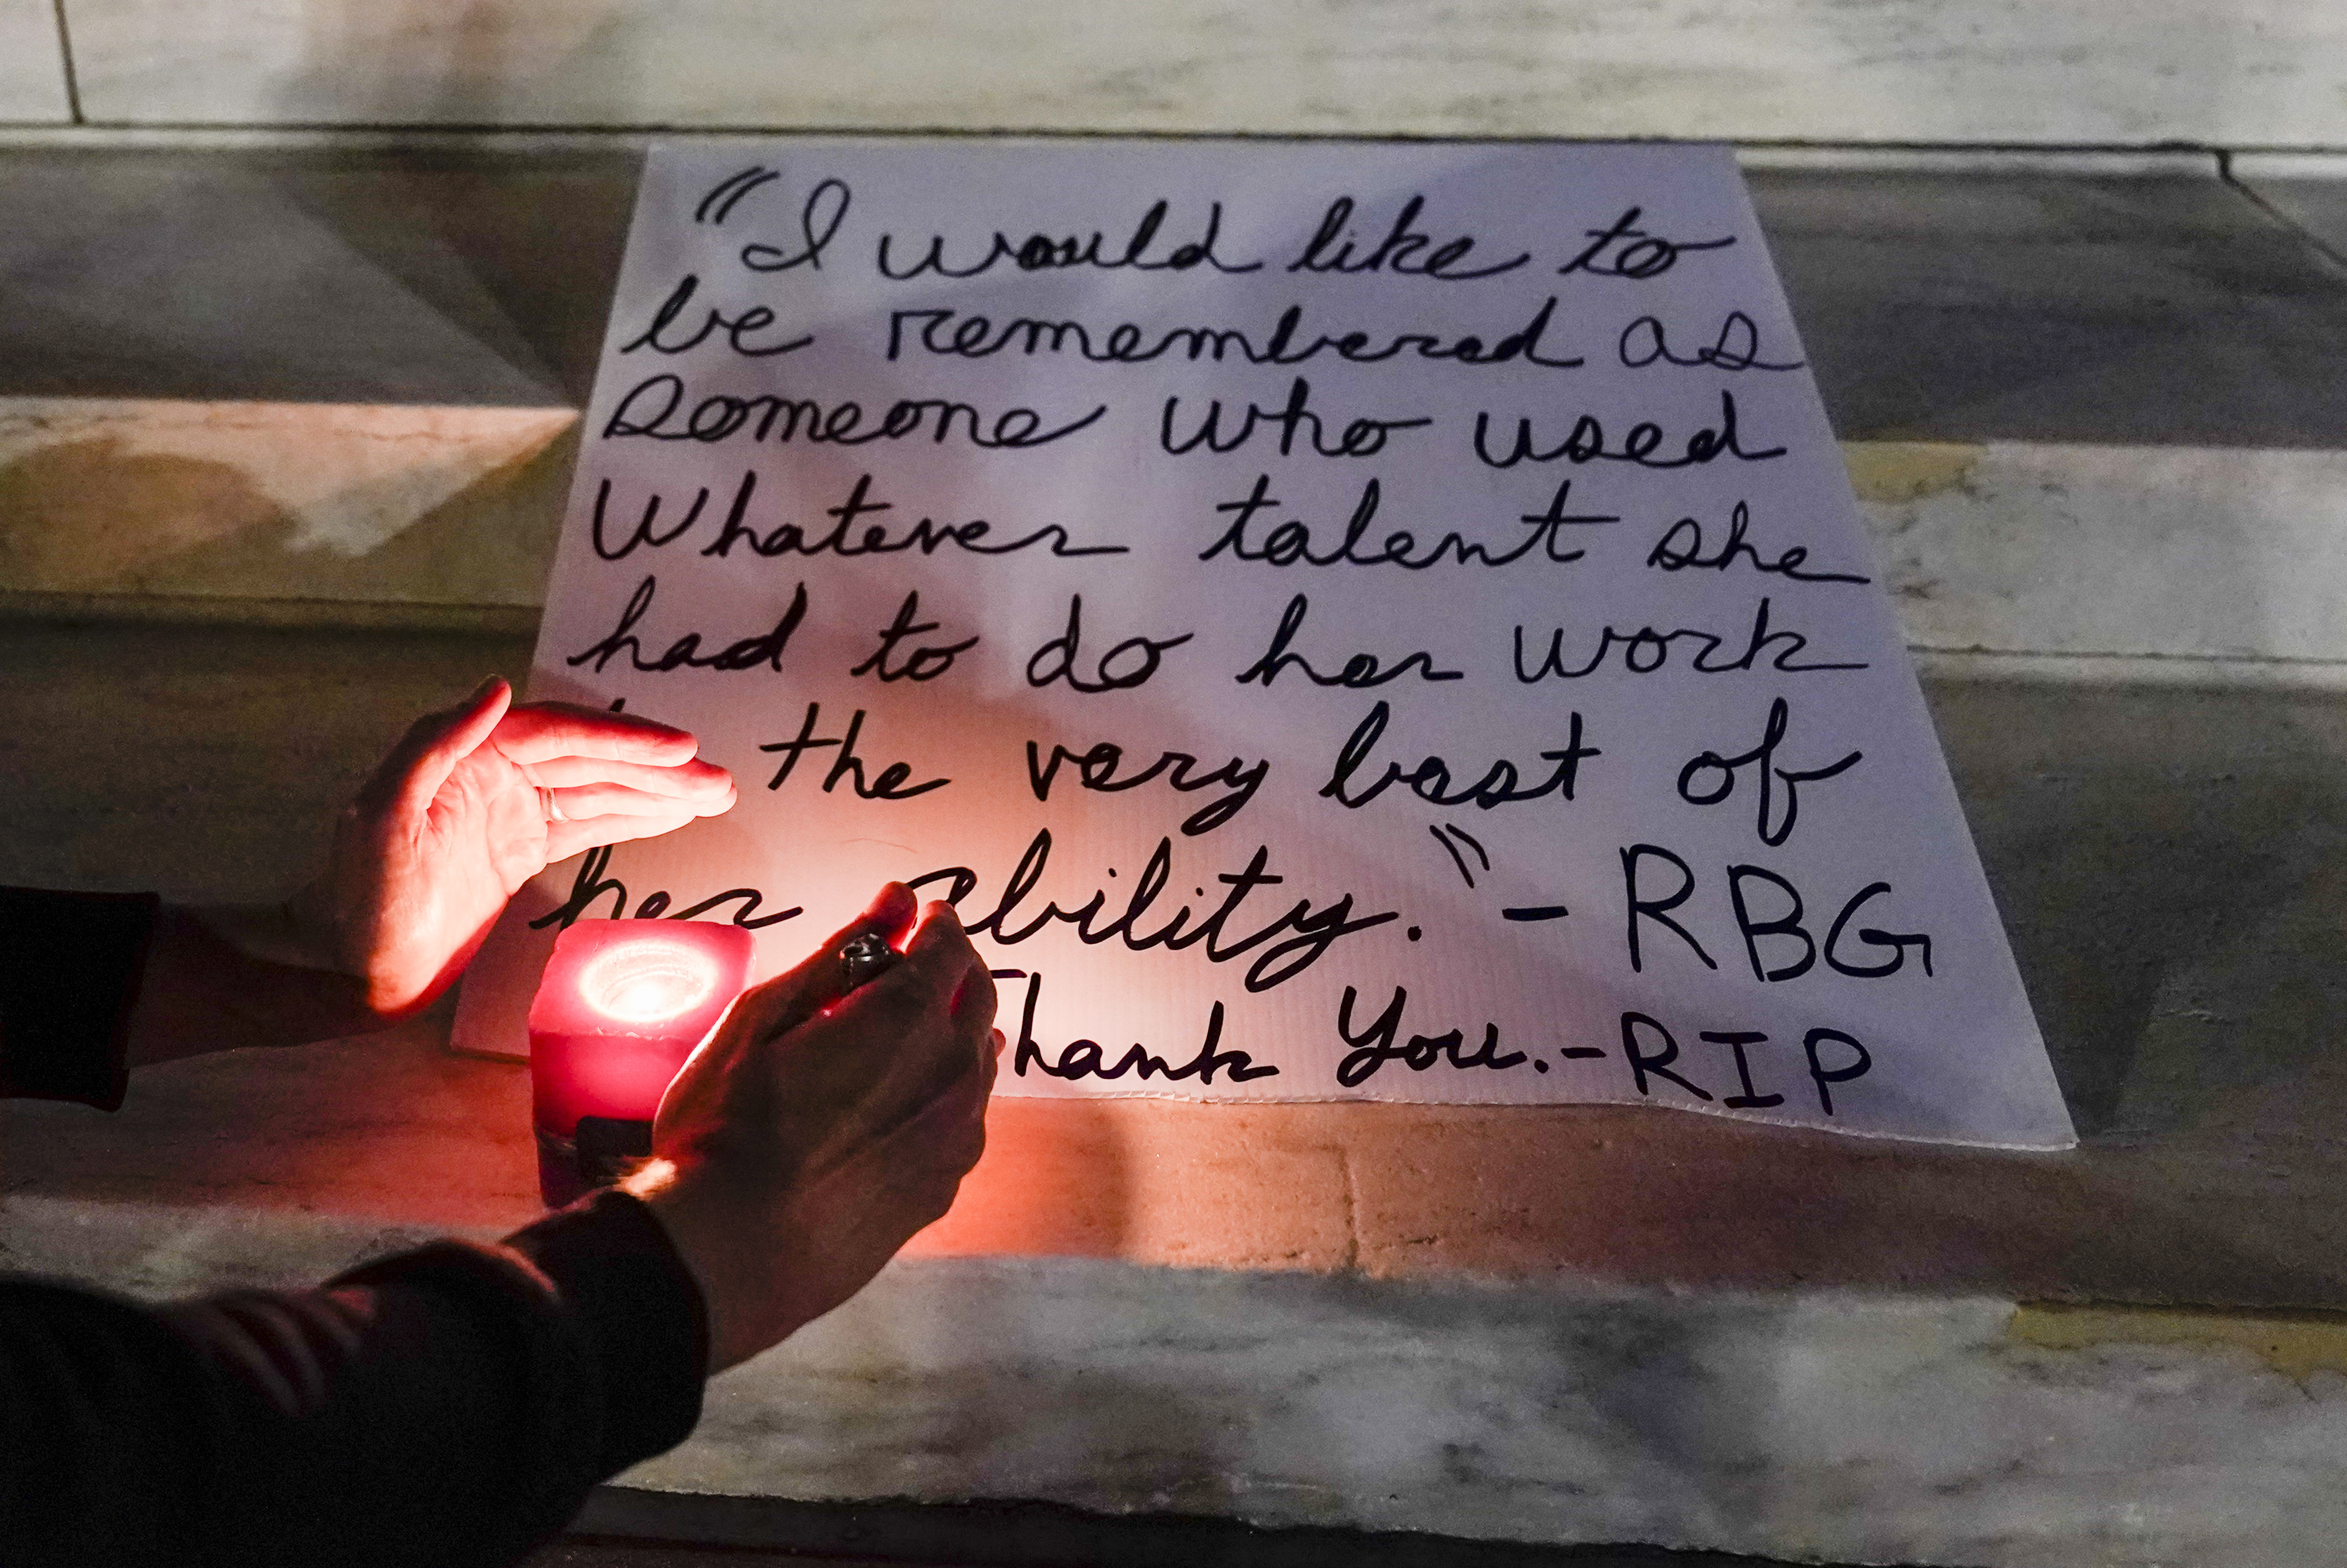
443,1409
221,977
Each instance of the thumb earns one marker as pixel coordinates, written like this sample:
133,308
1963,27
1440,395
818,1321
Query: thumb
798,994
412,775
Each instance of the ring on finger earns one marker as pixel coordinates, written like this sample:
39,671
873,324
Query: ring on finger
548,807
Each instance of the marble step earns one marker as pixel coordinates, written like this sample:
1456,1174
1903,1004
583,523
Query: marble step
1565,1324
2091,71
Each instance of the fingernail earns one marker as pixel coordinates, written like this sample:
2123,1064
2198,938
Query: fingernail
891,896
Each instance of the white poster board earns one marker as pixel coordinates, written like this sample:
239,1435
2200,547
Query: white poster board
1343,622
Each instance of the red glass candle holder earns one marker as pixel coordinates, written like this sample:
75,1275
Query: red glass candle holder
621,1006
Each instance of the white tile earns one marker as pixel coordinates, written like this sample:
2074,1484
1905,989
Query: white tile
32,64
2248,72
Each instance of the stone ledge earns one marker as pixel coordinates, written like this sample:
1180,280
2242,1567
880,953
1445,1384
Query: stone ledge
1851,1427
1904,70
2093,401
371,505
1539,1324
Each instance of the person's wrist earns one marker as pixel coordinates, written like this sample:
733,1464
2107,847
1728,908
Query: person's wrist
708,1225
271,933
312,929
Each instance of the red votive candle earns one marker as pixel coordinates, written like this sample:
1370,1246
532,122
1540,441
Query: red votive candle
621,1006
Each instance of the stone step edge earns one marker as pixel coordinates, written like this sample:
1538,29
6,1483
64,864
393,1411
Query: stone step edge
2295,1343
521,620
268,614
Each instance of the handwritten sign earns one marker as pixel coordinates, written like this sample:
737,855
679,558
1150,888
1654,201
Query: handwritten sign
1339,621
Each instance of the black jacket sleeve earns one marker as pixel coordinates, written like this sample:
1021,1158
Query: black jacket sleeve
69,969
449,1407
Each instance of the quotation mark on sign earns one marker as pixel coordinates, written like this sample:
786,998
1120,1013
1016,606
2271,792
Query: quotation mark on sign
719,204
1451,837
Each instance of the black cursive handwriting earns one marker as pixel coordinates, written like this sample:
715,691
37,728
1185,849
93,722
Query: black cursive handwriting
1127,664
890,785
1374,1046
1290,543
1622,250
850,535
1586,443
1646,651
1773,828
684,653
1738,347
1404,250
1096,769
1361,437
756,318
1430,779
1681,547
1313,930
588,884
945,331
1044,252
650,408
1361,671
1084,1058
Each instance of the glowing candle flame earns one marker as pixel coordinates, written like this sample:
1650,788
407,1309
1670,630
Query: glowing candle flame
648,981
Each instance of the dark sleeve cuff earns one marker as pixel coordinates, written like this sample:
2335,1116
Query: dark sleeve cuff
620,1279
70,964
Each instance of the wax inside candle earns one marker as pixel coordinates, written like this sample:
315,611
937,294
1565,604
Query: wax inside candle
621,1006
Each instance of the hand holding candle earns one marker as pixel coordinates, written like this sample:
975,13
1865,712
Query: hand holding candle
823,1124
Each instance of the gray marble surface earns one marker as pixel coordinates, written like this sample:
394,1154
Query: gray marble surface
2308,189
2260,72
1816,1424
304,279
32,65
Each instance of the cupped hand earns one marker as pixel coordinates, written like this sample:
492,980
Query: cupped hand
814,1132
457,817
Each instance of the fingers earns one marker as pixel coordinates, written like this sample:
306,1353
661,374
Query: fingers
541,732
796,995
564,839
693,780
581,802
925,1044
423,759
936,964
